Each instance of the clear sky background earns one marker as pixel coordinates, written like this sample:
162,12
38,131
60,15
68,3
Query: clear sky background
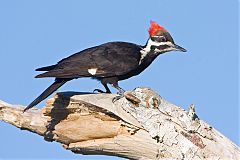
39,33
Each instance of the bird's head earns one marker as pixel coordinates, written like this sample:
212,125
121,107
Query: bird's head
160,41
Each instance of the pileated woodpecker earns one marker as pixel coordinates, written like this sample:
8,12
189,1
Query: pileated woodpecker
109,62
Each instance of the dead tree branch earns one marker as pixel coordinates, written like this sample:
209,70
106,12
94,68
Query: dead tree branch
140,126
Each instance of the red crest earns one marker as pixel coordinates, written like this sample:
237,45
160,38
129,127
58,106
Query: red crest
154,27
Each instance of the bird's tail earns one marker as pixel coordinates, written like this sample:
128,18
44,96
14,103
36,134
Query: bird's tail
58,83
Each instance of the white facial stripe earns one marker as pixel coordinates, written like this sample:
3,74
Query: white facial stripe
150,43
165,43
92,71
153,43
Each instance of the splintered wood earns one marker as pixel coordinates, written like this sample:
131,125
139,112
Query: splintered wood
142,125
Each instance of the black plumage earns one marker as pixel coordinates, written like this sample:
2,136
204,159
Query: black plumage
113,61
108,63
110,59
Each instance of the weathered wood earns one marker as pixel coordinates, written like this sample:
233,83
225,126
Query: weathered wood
140,126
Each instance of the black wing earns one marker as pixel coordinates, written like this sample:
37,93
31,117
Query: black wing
109,59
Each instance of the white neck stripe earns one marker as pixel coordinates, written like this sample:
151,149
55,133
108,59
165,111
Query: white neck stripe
150,43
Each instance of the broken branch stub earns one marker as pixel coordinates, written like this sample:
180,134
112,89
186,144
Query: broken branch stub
140,126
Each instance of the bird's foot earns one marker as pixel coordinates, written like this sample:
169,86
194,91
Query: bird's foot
100,91
119,96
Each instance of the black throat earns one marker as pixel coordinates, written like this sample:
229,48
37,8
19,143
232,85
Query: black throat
147,60
143,64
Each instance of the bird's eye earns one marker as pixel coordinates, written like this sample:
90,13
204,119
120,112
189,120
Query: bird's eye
159,38
162,39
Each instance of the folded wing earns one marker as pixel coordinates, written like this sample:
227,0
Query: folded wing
106,60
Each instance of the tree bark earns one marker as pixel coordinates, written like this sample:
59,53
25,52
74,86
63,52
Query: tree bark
141,125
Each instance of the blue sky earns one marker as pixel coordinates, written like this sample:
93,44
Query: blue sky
39,33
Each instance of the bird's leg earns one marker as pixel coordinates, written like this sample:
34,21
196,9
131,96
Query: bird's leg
107,89
105,86
120,92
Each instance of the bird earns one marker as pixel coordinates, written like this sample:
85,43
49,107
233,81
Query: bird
108,63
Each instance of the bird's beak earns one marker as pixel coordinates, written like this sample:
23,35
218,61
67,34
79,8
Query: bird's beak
178,48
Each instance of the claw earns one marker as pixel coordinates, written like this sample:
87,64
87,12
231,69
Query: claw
98,90
119,96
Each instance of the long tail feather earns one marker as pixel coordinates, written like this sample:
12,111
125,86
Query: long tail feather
58,83
47,68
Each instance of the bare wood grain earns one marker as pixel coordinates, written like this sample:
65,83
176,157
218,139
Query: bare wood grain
140,126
